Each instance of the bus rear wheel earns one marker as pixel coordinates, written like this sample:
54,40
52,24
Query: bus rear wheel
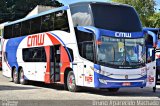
113,89
15,76
22,79
71,83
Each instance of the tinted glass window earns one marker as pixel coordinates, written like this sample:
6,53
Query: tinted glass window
35,25
149,40
115,17
47,23
17,30
83,36
81,15
61,21
8,32
36,54
25,30
85,44
88,51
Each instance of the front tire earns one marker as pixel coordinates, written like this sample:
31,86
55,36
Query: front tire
71,83
22,79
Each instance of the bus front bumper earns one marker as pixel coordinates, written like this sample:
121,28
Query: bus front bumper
120,83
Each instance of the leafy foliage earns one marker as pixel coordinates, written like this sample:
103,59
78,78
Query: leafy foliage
145,9
154,20
15,9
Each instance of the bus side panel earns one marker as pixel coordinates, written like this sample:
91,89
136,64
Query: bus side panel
157,55
88,74
10,52
151,74
6,69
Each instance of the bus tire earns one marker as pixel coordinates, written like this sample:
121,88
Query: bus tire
15,76
113,89
21,77
71,83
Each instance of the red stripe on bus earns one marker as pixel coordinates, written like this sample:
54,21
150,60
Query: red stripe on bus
47,74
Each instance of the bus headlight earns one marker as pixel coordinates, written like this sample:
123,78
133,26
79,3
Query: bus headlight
143,72
102,72
95,70
103,81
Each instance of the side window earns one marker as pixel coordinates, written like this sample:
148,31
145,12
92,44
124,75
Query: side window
88,51
34,54
150,55
85,44
27,54
35,25
61,21
25,30
149,39
8,32
17,30
47,23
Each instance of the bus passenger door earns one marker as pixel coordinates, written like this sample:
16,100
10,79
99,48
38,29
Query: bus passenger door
55,63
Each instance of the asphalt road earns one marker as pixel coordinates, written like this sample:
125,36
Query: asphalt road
41,91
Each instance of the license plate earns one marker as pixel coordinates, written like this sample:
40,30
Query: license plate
126,84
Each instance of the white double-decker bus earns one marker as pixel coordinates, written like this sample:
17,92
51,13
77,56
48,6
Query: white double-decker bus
91,44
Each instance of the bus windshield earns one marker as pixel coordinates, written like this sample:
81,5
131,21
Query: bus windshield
121,53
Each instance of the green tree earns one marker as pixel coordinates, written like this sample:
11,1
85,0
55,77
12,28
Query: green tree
145,9
154,20
3,10
15,9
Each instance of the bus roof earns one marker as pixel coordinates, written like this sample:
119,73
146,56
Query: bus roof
40,14
98,2
63,8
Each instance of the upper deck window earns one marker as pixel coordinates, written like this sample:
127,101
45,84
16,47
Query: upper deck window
49,22
81,15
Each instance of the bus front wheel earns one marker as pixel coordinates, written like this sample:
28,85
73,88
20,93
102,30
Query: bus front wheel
71,84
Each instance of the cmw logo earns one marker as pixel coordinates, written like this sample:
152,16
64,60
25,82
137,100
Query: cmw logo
121,34
35,40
